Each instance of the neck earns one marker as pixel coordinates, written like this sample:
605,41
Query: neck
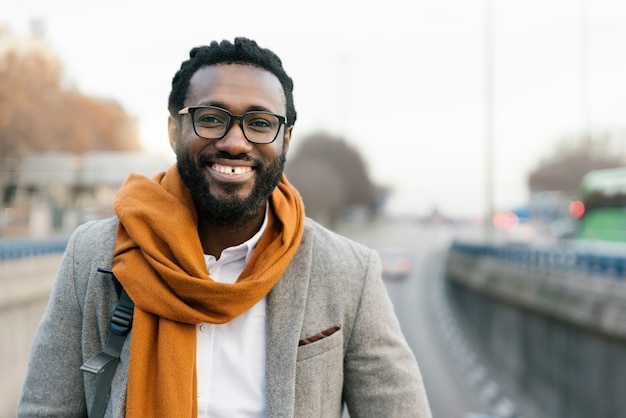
215,237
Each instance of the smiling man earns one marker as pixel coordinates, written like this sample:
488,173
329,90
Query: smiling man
243,307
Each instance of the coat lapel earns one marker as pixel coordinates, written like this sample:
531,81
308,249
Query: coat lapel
285,313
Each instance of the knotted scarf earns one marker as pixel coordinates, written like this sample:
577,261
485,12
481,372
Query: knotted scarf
160,262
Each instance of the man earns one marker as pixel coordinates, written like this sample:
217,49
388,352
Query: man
243,307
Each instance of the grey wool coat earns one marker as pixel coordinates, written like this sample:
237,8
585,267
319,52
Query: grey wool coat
331,281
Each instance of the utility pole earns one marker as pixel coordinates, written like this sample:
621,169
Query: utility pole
584,73
488,117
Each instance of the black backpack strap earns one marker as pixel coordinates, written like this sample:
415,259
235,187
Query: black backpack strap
104,364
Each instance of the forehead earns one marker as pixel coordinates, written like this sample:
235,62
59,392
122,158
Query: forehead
236,86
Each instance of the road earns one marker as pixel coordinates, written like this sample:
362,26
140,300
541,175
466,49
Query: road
417,301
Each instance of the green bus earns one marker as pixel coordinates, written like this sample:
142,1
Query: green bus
603,194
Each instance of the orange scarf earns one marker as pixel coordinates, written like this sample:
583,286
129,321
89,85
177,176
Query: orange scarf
160,262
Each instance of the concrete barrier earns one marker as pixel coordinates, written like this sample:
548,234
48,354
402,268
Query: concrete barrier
550,323
25,286
574,286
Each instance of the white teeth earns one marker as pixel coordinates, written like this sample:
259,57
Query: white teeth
227,169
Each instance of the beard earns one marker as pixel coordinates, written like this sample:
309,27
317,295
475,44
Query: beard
235,210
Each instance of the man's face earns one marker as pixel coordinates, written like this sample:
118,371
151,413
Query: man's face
230,178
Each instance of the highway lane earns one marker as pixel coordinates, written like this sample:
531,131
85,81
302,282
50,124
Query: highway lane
415,301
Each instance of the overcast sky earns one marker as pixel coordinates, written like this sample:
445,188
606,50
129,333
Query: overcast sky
403,81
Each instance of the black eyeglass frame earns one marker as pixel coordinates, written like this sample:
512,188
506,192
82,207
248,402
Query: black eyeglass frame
190,110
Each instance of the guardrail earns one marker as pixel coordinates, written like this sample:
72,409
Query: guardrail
15,248
595,258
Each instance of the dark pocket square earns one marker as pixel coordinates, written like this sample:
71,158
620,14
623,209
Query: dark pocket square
326,333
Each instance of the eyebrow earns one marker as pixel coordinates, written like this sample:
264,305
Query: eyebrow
221,105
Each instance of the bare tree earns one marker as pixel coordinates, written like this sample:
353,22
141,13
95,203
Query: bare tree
38,114
572,158
332,178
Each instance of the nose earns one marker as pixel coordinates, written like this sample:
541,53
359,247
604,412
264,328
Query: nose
234,142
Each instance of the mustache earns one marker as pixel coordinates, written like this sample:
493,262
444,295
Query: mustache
221,155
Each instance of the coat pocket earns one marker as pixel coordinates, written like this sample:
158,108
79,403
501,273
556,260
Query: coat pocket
320,346
319,377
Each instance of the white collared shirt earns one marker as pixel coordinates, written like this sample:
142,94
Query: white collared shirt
230,358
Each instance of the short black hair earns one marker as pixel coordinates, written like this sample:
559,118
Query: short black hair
241,51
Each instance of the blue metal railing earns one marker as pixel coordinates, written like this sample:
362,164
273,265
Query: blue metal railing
15,248
592,258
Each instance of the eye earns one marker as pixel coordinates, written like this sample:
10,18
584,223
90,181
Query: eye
210,118
261,122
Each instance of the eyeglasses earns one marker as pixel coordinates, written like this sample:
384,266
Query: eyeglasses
210,122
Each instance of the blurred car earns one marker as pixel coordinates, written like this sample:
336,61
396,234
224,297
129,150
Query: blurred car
397,263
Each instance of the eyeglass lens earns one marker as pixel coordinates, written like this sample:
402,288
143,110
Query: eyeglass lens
212,123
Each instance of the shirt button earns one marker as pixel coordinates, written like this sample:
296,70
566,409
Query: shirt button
204,328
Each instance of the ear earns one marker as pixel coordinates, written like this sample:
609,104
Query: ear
287,138
173,128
